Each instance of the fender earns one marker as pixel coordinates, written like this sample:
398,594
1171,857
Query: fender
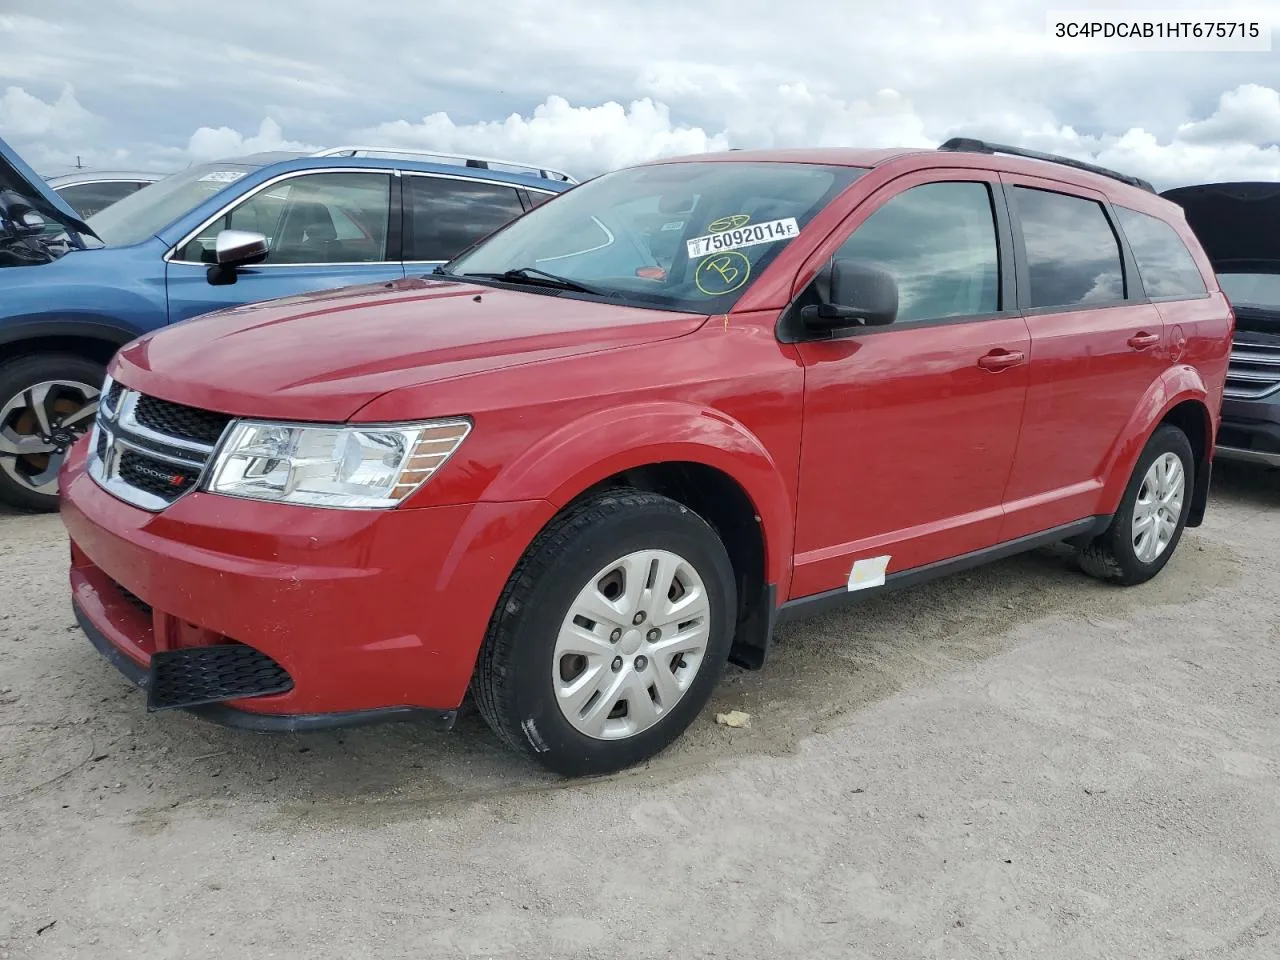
573,458
1174,386
104,328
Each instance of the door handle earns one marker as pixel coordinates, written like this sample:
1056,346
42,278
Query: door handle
1001,359
1140,341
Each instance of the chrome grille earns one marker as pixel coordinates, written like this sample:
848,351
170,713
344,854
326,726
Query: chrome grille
1254,370
148,451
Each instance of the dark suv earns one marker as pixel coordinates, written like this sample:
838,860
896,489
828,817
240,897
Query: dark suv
1238,224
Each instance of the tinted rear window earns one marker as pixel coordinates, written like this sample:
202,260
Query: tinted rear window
1165,264
1072,252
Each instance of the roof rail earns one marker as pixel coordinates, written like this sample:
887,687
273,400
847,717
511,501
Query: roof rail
969,145
482,163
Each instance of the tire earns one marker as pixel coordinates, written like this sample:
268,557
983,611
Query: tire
524,670
1116,555
68,387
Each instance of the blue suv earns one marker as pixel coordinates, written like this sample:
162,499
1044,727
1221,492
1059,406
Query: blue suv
215,235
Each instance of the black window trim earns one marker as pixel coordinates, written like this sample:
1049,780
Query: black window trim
405,199
790,330
171,256
1137,272
1134,293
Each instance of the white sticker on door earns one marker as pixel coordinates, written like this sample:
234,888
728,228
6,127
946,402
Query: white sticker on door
868,573
744,236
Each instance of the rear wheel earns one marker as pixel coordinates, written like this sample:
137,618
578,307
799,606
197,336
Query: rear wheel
47,402
610,635
1152,516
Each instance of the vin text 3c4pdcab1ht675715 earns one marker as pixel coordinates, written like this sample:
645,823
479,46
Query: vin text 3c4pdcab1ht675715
582,466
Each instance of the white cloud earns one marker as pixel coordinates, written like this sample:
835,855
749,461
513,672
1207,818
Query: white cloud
689,109
209,143
1248,114
586,138
24,116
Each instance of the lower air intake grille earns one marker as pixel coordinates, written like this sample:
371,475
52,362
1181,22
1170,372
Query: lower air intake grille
199,675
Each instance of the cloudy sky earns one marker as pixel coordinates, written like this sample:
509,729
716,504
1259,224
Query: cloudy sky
588,85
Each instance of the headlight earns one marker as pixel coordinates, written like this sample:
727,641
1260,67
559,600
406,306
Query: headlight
333,466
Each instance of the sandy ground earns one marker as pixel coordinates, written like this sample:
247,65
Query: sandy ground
1014,763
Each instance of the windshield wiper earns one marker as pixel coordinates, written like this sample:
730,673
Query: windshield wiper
540,277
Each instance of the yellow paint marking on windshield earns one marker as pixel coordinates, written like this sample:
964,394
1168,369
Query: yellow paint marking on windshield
729,223
722,273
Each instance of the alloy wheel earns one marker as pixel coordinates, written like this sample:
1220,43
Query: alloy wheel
39,425
1158,507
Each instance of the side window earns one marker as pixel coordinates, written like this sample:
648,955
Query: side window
537,198
1073,255
314,218
1164,262
445,216
939,242
88,198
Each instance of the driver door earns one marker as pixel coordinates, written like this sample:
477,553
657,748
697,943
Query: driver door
323,230
910,429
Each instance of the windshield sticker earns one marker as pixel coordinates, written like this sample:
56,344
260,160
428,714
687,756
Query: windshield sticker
723,273
736,238
222,176
728,223
673,225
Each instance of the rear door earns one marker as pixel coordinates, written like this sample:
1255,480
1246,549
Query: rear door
1097,346
445,215
910,429
324,230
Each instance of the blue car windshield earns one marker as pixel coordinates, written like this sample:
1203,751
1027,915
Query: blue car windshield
688,236
146,212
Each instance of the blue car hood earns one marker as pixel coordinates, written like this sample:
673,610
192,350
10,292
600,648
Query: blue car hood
15,175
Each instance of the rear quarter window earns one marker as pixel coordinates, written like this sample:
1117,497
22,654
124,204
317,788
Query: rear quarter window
1073,255
1165,264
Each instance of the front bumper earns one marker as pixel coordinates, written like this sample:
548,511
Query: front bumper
1250,430
372,614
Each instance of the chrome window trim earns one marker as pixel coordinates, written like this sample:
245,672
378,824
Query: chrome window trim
171,255
81,183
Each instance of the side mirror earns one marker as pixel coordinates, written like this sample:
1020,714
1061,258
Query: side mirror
239,248
860,295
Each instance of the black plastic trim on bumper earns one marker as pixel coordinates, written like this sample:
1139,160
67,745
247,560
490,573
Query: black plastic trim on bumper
226,716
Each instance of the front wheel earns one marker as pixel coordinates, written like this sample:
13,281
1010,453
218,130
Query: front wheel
1152,516
610,635
47,402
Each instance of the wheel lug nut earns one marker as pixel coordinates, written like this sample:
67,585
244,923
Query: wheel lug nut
617,664
616,635
638,618
653,634
641,662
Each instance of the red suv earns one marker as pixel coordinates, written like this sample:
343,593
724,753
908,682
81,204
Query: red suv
608,448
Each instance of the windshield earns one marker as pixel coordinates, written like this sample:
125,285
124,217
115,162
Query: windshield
1251,289
687,236
146,212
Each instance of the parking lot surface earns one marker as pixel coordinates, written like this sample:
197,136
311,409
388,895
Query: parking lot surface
1013,762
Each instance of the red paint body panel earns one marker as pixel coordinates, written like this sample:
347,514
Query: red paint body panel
365,609
889,441
907,446
323,356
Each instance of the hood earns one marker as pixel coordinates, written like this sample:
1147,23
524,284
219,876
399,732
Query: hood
1238,224
17,176
324,356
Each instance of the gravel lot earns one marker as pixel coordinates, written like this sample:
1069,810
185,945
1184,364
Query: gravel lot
1016,762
